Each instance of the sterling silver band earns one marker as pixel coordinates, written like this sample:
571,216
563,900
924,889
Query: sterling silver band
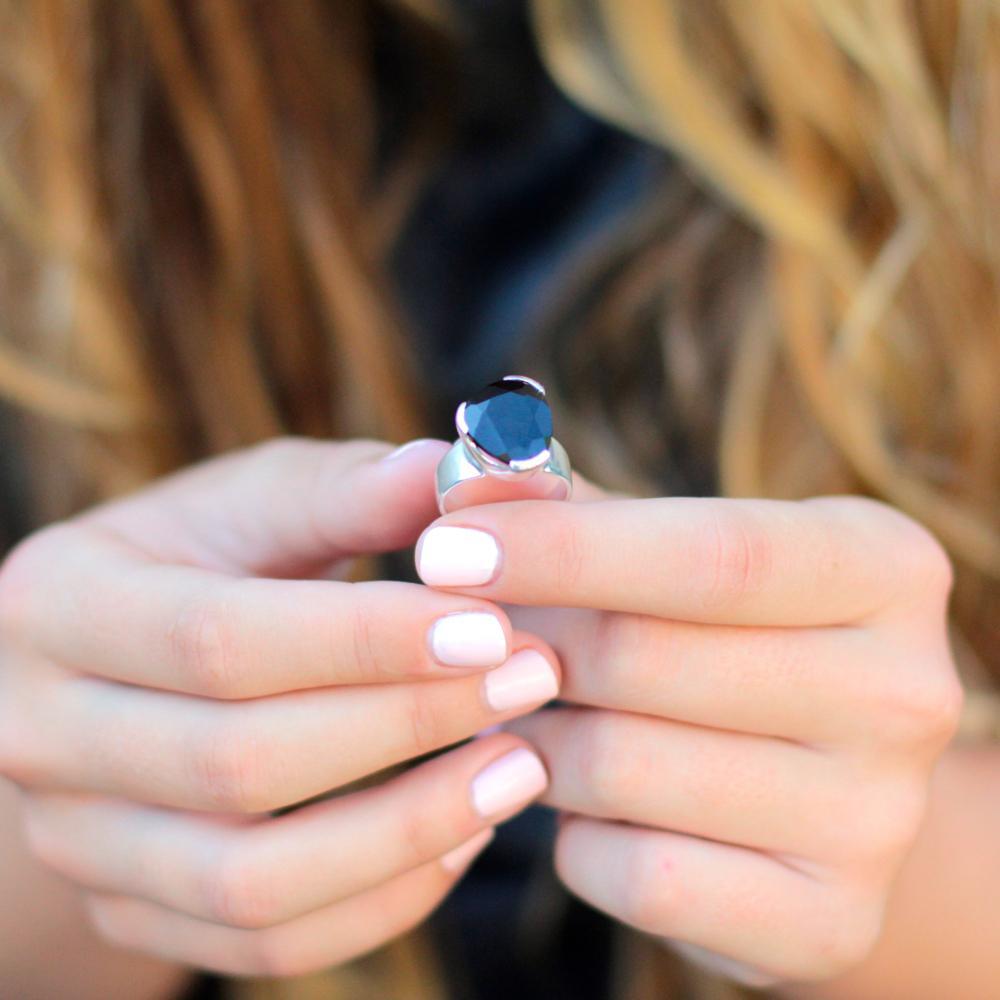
464,480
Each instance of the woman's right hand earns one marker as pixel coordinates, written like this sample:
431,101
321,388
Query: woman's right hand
177,665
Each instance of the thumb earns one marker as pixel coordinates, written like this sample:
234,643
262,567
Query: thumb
283,507
500,491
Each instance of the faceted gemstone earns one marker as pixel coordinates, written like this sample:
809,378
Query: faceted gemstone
509,420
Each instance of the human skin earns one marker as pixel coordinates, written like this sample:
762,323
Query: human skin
757,692
743,678
180,664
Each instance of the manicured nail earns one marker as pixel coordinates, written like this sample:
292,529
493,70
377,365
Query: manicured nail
457,557
468,639
404,448
509,782
462,856
527,678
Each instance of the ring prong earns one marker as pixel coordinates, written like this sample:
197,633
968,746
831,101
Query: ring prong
534,383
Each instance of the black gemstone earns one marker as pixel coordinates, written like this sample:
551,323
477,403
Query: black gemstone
509,420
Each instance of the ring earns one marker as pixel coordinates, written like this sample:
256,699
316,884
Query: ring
504,437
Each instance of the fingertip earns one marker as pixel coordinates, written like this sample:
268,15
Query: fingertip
471,639
455,556
527,680
521,639
508,783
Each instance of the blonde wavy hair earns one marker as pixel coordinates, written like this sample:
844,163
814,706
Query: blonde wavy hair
196,233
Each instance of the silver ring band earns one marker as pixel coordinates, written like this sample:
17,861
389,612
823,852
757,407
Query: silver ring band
461,482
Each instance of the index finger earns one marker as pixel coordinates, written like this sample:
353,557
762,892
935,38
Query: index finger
100,609
815,562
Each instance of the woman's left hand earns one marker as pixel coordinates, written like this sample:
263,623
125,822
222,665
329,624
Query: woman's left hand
760,690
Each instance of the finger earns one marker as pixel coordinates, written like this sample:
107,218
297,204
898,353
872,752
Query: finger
733,787
283,507
320,939
737,562
586,491
493,490
267,872
259,755
179,628
753,679
729,900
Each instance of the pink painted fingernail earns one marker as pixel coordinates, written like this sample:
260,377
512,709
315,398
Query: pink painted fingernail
457,557
510,781
527,678
462,856
468,639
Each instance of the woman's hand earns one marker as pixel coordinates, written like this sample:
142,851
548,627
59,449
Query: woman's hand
169,677
763,688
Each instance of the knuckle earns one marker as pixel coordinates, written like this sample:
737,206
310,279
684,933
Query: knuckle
924,563
229,767
240,891
844,936
426,727
918,563
568,552
21,572
926,709
887,822
620,646
363,643
740,555
934,708
418,838
205,643
601,762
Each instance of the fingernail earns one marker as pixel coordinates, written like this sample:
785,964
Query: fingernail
510,781
457,557
404,448
461,857
527,678
468,639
